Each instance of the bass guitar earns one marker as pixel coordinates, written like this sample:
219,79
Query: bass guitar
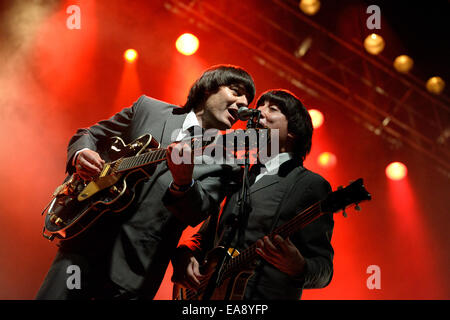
234,274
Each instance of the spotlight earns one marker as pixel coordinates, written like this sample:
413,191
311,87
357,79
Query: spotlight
316,117
374,44
130,55
435,85
396,171
403,63
327,160
303,48
309,7
187,44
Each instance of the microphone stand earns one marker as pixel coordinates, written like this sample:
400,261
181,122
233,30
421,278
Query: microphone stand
243,206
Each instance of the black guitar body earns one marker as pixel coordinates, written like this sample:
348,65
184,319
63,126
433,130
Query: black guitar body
77,204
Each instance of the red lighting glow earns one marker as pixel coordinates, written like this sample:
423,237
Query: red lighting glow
130,55
187,44
316,117
396,171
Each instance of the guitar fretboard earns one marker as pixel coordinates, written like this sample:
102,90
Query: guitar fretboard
153,156
246,257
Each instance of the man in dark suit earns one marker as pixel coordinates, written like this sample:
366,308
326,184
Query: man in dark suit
124,255
282,189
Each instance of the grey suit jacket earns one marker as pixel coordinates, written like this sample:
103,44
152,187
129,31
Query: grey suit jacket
289,192
138,242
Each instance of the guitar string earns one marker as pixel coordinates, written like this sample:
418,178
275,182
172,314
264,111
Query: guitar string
153,156
140,160
288,228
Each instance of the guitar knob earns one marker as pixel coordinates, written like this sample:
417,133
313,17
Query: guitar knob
344,213
56,220
114,190
357,208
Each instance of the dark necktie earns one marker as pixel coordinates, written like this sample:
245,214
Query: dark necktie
255,170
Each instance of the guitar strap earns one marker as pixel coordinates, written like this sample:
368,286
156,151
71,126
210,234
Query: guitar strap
290,183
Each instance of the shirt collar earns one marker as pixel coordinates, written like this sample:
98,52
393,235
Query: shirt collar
275,162
190,121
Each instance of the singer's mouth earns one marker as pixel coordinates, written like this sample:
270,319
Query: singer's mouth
261,125
233,113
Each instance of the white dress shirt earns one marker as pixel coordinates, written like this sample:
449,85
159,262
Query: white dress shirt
272,166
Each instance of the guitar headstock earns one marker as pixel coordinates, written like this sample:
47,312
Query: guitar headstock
338,200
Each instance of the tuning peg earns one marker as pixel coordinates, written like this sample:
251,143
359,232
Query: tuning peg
344,213
357,207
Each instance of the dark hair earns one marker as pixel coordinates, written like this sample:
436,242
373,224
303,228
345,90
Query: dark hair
215,77
299,120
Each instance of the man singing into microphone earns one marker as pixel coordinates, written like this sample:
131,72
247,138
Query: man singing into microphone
281,189
124,255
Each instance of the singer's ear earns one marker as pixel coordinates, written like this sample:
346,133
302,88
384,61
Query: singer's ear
292,136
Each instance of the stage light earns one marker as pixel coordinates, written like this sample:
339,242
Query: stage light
403,63
309,7
396,171
374,44
187,44
435,85
303,48
327,160
316,117
130,55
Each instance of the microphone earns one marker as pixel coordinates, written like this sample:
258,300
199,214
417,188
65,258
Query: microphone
245,113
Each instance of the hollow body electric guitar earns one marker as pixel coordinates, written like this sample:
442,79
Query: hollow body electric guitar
77,204
233,275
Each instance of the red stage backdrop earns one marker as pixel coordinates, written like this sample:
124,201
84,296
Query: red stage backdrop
55,78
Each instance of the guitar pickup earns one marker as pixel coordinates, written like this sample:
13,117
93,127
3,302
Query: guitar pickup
56,220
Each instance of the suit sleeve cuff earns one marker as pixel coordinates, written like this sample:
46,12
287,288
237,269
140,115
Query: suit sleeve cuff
299,281
76,155
180,190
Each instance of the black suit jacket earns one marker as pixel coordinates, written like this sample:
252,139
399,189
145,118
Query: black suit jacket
135,245
289,192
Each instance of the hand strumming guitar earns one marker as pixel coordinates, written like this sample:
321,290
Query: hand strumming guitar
88,164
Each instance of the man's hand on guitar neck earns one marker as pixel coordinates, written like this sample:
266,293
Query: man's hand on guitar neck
282,254
88,164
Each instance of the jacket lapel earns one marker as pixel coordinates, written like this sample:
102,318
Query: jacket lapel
173,122
270,179
264,182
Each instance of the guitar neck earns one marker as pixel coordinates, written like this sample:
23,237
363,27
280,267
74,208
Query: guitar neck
154,156
150,157
246,257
